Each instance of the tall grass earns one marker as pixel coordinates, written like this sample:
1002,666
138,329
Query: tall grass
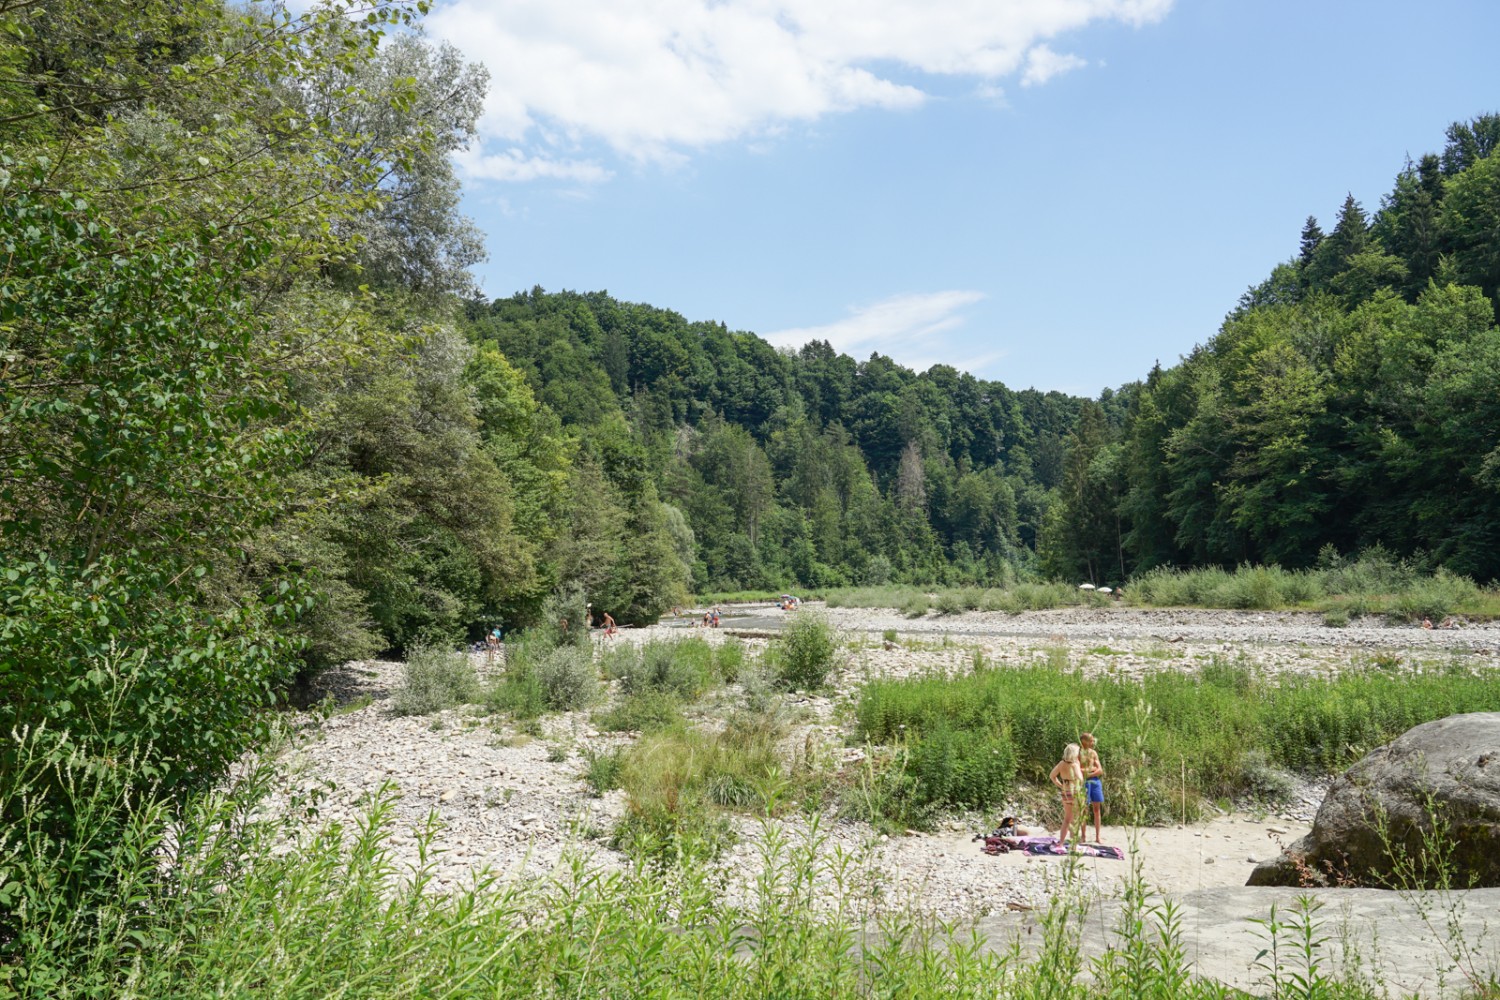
1171,739
915,602
1374,583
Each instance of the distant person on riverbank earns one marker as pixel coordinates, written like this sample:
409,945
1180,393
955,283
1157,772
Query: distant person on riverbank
1093,784
1068,778
609,623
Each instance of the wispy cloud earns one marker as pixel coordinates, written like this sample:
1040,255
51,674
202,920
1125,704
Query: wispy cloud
515,165
1042,64
909,328
651,80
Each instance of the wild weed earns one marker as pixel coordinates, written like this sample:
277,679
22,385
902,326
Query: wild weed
806,652
567,678
434,679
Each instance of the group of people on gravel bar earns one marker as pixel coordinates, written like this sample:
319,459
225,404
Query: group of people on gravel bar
1080,774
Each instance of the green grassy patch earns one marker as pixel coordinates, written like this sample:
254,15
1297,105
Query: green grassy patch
1168,741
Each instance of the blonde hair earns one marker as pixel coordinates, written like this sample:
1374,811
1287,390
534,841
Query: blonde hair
1070,752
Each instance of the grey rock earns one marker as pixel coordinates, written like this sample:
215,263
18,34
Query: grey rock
1378,811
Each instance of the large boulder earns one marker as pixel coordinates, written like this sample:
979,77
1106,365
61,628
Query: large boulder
1376,825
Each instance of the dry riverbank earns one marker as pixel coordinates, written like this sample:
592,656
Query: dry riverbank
517,803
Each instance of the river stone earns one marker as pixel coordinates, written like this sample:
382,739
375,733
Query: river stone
1454,763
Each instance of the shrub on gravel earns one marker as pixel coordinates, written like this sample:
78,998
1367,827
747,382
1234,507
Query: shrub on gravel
805,652
645,712
434,679
949,602
729,659
567,678
683,668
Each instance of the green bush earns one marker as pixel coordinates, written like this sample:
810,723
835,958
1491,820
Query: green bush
949,602
805,651
959,768
434,679
518,691
1436,596
644,712
729,659
915,604
682,667
567,678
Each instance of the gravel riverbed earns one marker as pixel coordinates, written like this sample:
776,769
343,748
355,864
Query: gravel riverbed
517,804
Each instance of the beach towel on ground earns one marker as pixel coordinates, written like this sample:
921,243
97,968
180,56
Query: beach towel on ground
995,843
1087,850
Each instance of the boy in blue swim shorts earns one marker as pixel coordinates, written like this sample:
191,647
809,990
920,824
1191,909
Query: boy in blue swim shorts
1093,780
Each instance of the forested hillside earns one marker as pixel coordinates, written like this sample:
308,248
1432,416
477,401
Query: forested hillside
1351,400
786,469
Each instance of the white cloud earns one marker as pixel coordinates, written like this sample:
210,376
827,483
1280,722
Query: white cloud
515,165
909,328
651,79
1042,64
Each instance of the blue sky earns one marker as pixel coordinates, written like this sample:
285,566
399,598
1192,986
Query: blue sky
1050,193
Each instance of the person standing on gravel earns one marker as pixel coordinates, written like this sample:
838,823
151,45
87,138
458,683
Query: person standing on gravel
1093,783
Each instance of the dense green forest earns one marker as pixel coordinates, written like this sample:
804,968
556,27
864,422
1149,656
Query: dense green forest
1350,401
256,420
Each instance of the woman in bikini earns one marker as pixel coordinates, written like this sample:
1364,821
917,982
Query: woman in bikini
1068,777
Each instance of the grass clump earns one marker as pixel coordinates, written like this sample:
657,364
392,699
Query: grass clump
602,773
645,712
683,668
434,679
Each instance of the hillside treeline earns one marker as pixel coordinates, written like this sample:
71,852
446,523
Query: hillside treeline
795,468
1350,401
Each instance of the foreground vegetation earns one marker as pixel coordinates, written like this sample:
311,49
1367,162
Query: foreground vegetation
215,900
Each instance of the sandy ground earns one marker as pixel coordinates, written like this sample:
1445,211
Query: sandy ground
1206,855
